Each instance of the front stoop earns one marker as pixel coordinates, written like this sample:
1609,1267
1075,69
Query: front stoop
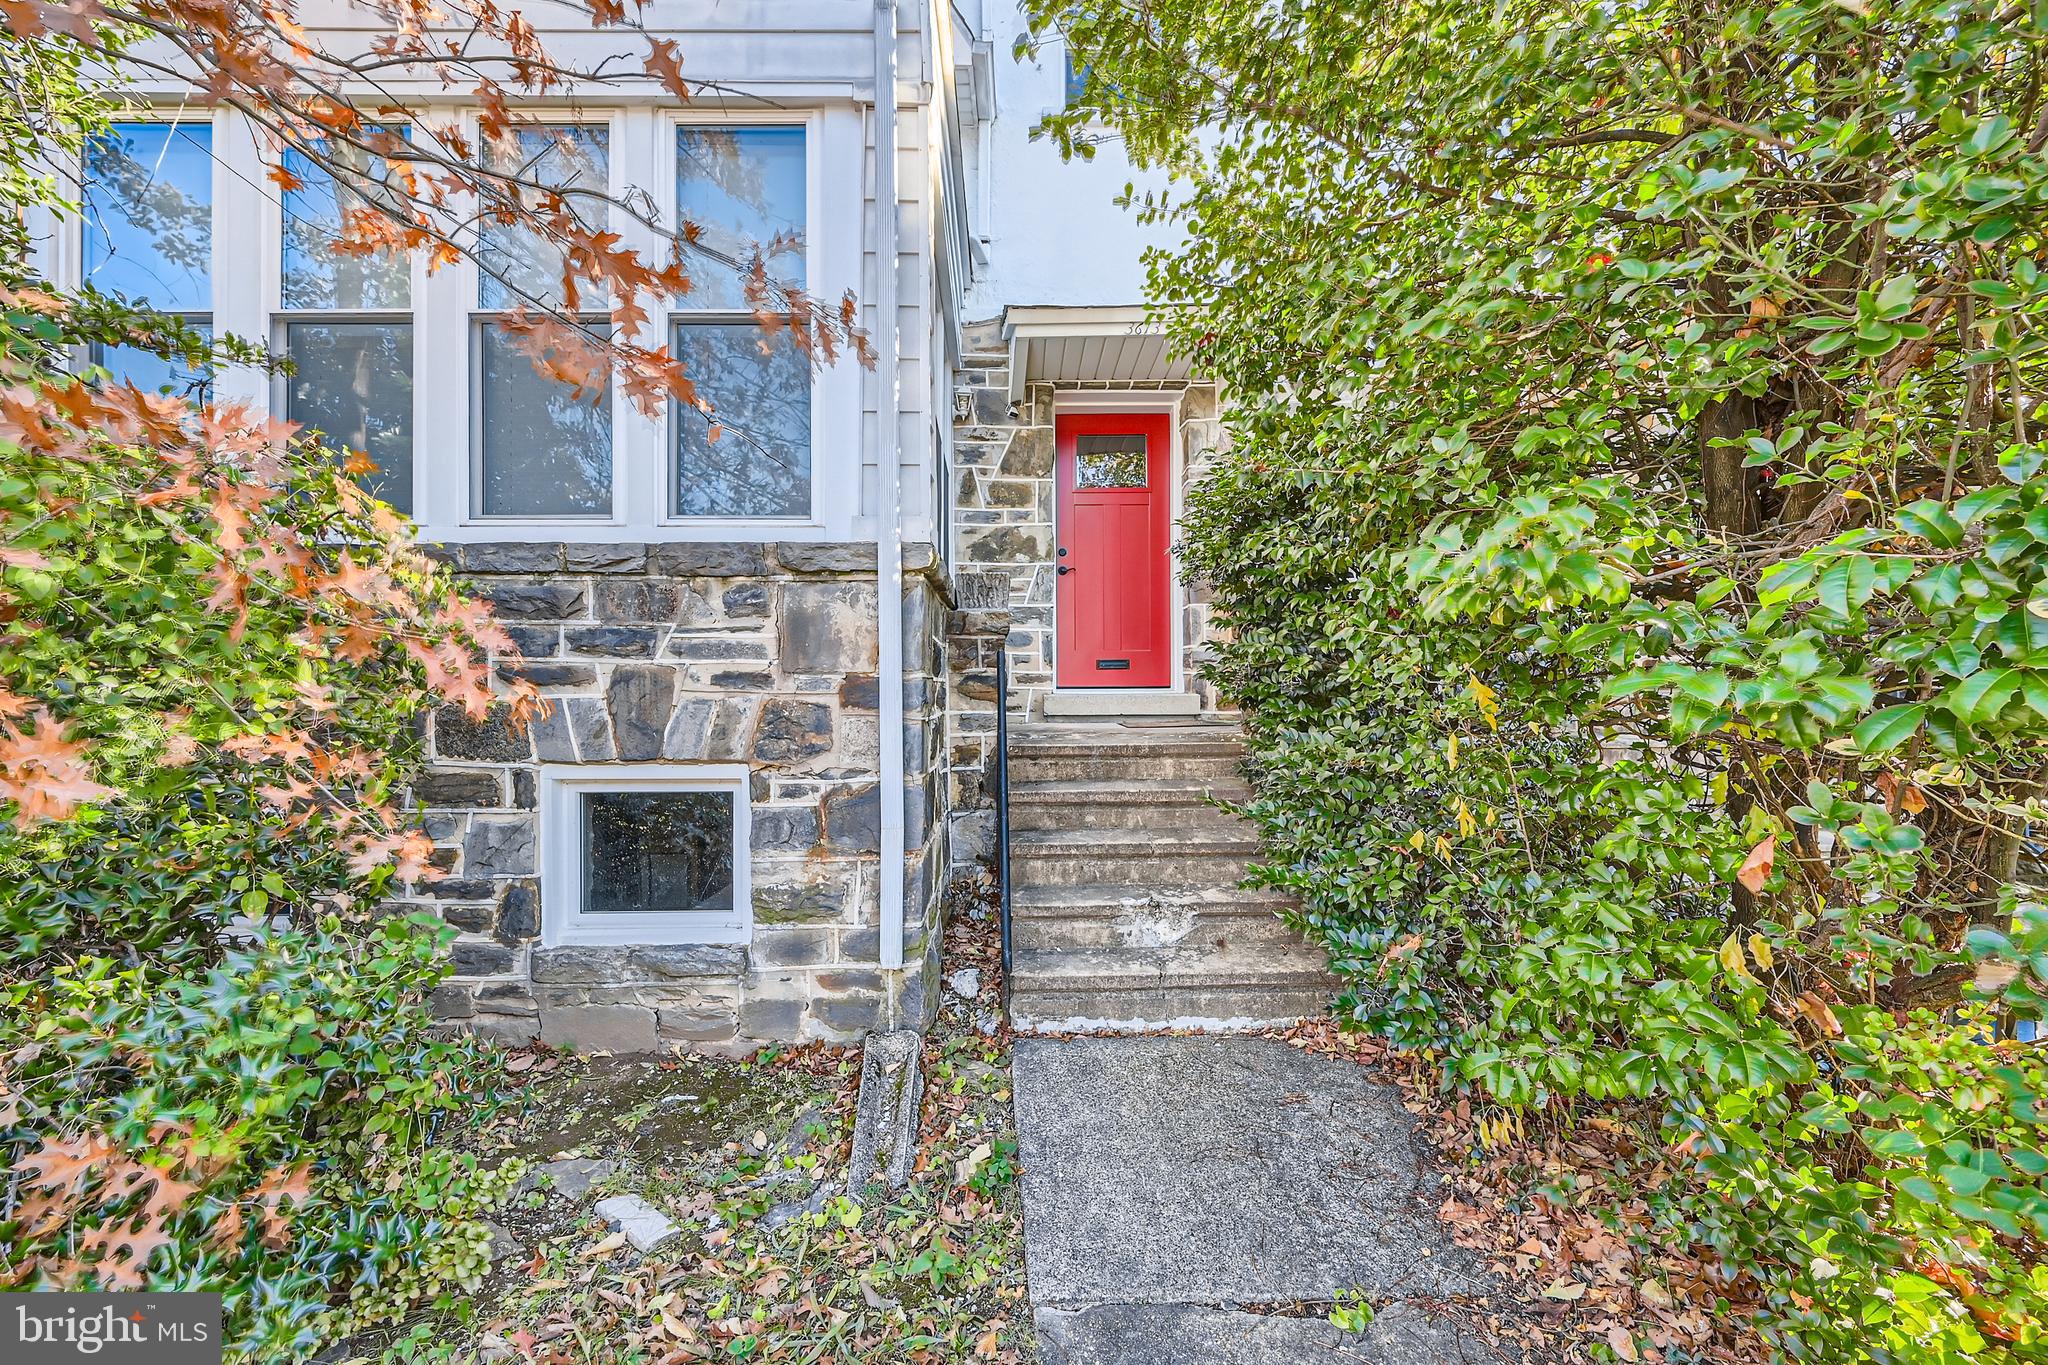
1125,904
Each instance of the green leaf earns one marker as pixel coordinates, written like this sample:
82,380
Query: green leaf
1983,694
1886,730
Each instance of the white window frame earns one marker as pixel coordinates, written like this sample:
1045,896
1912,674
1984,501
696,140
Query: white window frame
248,226
562,838
680,311
476,317
271,254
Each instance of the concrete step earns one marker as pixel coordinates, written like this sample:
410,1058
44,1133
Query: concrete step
1166,803
1135,917
1140,857
1028,766
1187,987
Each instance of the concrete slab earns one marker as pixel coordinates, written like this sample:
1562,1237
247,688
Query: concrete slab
1220,1171
1124,1334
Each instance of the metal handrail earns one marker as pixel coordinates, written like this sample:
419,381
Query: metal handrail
1003,801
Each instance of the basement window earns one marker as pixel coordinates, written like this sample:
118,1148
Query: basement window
644,854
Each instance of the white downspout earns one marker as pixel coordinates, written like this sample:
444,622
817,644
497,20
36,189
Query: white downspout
889,490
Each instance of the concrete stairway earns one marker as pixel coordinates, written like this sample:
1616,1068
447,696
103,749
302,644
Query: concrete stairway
1126,910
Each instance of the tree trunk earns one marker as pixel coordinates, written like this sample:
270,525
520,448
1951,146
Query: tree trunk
1730,493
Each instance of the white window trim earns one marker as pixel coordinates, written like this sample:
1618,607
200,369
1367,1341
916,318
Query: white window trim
822,431
563,923
248,226
270,251
475,317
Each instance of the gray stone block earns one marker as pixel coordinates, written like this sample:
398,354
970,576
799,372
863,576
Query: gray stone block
550,674
688,729
1029,454
748,601
610,642
1006,544
788,947
827,628
716,648
805,557
589,964
599,1028
458,788
853,820
512,556
501,846
848,1014
784,829
772,1019
494,739
640,697
605,557
791,731
525,600
451,1002
708,559
551,739
480,959
534,642
732,727
706,1025
519,913
592,726
802,901
461,889
470,919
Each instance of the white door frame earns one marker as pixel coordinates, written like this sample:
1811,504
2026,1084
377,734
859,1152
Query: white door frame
1167,401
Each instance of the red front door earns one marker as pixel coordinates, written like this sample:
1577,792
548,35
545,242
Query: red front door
1115,583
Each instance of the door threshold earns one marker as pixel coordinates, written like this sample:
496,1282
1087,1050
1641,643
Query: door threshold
1107,704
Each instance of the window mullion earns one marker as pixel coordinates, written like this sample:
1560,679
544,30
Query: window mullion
244,231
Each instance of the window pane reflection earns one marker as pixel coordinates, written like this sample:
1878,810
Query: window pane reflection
652,851
149,214
546,451
354,385
752,456
744,188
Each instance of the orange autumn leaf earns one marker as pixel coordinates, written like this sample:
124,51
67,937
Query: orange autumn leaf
1756,868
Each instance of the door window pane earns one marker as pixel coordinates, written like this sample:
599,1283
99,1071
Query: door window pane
751,457
149,214
516,267
1109,462
744,190
547,451
354,386
315,214
652,851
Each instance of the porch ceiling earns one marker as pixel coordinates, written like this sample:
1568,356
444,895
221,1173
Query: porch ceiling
1074,345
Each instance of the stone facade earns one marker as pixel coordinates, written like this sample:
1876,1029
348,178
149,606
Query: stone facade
756,654
1004,562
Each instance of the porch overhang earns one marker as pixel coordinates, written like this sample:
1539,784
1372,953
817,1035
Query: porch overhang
1073,346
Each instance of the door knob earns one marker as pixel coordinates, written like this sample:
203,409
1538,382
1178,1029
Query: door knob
1066,568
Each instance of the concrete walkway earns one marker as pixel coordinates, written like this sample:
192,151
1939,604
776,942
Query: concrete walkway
1183,1194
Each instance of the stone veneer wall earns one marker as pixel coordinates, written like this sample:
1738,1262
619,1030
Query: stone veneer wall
762,654
1004,559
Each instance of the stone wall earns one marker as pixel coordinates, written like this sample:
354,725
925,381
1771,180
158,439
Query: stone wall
756,654
1004,557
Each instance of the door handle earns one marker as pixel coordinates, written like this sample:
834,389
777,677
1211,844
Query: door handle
1066,569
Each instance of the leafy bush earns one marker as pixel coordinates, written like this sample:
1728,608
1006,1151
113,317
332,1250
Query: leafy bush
1634,558
216,1068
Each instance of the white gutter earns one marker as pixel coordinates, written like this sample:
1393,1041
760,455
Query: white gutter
889,489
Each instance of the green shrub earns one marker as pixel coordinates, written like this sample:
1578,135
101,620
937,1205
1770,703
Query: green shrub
216,1068
1633,551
